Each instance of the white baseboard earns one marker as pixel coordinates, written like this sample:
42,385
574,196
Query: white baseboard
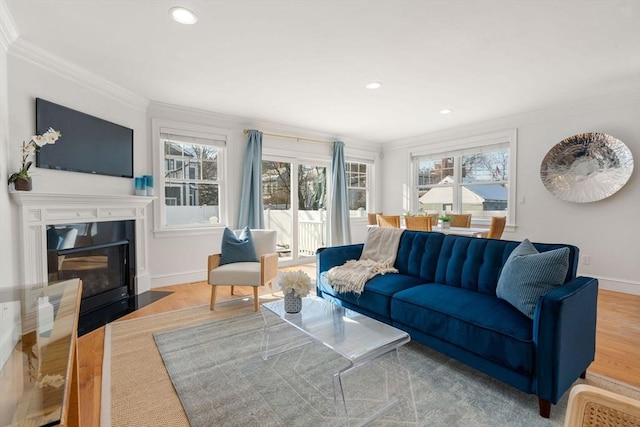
178,278
606,283
617,285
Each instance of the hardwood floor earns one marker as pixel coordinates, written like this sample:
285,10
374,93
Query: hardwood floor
617,342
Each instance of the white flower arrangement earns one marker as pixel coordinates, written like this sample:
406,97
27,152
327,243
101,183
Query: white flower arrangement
297,282
29,148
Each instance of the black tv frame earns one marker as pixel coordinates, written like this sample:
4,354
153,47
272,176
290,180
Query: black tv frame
88,144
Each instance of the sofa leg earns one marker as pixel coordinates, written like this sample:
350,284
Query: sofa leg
545,407
583,375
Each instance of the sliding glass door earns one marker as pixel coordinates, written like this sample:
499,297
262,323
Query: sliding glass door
295,202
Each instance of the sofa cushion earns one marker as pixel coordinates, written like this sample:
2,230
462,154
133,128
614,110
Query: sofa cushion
528,274
377,293
418,254
482,324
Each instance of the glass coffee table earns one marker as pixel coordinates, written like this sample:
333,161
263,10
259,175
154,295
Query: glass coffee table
354,336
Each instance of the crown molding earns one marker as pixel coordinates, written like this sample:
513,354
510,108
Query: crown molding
8,30
583,106
188,114
42,58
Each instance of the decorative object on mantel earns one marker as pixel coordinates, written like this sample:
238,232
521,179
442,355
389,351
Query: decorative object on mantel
586,167
21,179
294,285
140,186
148,182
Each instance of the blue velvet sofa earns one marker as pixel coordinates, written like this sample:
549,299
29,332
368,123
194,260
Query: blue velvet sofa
444,296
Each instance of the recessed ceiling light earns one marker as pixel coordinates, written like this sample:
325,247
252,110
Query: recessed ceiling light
373,85
446,111
183,16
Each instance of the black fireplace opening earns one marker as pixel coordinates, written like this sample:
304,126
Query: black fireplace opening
101,254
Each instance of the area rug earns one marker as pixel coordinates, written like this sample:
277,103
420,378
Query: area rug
220,378
137,391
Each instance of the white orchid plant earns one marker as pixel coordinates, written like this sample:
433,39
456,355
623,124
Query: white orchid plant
297,282
29,148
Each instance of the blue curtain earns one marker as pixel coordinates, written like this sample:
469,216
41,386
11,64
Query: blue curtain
339,225
251,206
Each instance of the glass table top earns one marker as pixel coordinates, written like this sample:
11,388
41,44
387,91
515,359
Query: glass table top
352,335
35,378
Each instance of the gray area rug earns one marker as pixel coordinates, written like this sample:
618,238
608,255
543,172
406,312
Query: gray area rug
221,380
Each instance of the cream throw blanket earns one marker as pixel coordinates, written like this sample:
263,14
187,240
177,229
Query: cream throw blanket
378,256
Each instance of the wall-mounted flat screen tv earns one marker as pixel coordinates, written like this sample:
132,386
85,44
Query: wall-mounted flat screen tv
88,144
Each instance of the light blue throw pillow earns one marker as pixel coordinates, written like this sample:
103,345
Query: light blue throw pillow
237,248
528,274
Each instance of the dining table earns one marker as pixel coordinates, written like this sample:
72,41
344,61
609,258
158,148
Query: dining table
462,231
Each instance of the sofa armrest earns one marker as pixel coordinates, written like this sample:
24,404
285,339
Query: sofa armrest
336,255
327,258
564,334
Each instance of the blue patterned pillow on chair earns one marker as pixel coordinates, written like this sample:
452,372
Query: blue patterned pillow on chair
237,248
528,274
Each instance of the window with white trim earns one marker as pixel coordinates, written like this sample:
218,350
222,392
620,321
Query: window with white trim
358,178
190,182
473,180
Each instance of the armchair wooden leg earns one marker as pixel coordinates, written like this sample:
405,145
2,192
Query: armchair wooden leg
231,290
213,297
255,298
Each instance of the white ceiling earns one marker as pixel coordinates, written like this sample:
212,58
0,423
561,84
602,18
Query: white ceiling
305,63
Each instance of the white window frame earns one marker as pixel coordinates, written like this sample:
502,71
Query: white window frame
368,177
189,133
459,147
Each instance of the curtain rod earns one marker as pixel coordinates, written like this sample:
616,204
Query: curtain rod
297,138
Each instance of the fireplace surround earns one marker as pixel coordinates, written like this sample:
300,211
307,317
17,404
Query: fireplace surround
40,211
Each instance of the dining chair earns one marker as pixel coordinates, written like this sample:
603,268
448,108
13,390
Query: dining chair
497,227
371,218
460,220
434,219
421,223
260,271
389,221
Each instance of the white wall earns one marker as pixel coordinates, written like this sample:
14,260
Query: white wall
182,257
9,311
29,81
608,231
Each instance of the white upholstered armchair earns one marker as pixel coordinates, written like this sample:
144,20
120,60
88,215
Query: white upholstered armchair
253,274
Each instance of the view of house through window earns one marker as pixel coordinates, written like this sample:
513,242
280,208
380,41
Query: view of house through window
191,183
464,182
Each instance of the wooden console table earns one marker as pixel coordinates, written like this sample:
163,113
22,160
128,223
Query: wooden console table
40,380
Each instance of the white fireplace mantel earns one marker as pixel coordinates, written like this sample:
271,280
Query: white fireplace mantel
37,210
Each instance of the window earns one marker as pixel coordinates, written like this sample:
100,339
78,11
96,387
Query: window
475,179
190,178
357,187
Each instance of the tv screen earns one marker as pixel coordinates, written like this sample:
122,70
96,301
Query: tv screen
88,144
